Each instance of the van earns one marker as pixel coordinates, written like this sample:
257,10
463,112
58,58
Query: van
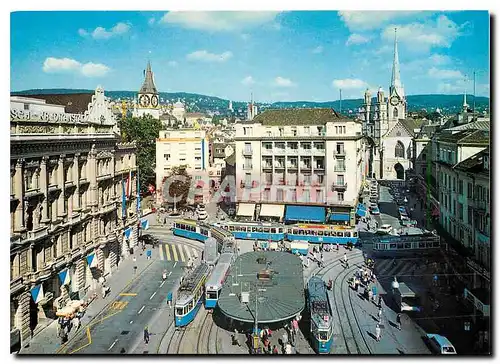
440,344
384,229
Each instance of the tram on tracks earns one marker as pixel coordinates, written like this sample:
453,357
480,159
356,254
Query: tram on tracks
255,230
391,246
217,278
194,230
190,295
321,315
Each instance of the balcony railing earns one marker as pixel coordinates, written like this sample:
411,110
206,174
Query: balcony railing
305,166
267,166
339,185
279,165
292,151
267,151
339,168
247,151
305,151
279,151
248,184
339,153
318,151
319,166
247,166
317,184
291,166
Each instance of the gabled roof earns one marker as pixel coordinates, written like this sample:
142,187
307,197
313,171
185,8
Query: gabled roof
73,103
410,124
231,160
478,125
477,137
148,87
278,117
474,164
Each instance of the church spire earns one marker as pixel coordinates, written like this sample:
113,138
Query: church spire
396,77
464,106
148,87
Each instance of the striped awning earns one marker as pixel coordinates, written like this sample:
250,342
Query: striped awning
269,210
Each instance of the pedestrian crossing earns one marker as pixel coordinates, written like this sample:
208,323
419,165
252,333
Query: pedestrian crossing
390,268
177,252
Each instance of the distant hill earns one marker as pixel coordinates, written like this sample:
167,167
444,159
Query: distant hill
204,103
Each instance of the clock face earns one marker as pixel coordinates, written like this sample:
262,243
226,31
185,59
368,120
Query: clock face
144,100
154,101
394,100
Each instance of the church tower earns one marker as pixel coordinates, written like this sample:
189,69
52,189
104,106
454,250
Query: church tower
397,99
148,96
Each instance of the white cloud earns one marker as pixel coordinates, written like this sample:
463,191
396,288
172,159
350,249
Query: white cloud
283,82
356,39
204,56
172,63
318,49
151,21
445,74
245,36
422,65
349,83
247,81
94,69
219,20
422,36
366,20
103,33
68,65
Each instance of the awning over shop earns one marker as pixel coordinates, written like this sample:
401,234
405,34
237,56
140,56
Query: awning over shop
340,217
305,213
246,209
269,210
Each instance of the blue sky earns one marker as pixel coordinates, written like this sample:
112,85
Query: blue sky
276,55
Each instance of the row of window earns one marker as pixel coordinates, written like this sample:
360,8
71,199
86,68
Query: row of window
402,246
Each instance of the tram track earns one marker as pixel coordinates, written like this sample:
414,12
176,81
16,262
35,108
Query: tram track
174,344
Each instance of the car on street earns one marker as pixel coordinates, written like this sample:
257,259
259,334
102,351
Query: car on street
384,229
148,239
375,211
440,344
201,212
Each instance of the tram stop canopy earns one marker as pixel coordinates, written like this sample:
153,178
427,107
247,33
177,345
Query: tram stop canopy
274,279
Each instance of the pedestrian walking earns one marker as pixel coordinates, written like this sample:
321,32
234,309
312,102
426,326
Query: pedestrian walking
379,314
169,299
398,321
275,350
135,269
235,338
284,338
380,301
288,349
377,332
146,335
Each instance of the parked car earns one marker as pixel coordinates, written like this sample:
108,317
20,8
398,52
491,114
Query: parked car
440,344
373,205
375,211
384,229
149,239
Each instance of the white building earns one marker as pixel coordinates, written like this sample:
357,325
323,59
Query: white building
183,147
299,157
179,111
148,101
67,229
386,123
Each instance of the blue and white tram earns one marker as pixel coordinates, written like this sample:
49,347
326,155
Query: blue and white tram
216,279
190,295
405,245
191,230
255,231
321,315
326,234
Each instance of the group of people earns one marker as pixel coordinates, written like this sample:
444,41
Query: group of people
66,323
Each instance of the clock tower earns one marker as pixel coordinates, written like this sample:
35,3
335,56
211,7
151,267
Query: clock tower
396,108
148,100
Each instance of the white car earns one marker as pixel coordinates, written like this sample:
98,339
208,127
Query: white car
384,229
373,206
440,344
201,212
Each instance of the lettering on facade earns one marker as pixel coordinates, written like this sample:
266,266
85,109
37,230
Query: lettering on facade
48,117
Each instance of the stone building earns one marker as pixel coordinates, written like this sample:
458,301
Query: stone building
67,228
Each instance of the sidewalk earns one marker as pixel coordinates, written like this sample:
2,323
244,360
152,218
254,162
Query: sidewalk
47,341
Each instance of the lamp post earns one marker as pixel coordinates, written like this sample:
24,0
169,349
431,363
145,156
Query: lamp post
175,206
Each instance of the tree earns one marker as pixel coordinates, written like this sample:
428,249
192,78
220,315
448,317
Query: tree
143,131
178,183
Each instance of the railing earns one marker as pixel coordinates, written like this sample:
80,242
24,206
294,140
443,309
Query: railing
277,165
305,151
292,166
339,153
339,185
318,151
339,168
247,166
247,151
305,166
319,167
267,151
292,151
279,150
267,166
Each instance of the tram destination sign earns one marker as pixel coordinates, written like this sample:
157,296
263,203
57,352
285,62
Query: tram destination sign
47,117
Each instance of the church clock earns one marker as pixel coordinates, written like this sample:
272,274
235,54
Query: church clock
144,100
394,100
154,101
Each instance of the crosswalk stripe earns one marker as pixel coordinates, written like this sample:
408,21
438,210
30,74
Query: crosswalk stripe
181,253
176,258
188,253
167,250
162,257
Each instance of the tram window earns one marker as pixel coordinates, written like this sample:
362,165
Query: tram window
340,234
259,230
280,230
400,245
354,234
428,245
421,245
181,226
190,306
254,229
323,335
211,295
231,228
407,245
273,230
267,230
320,233
328,233
392,246
179,311
347,234
435,244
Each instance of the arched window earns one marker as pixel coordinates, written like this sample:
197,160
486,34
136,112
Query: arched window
395,112
399,151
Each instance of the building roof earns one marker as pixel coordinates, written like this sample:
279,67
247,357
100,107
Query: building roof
477,125
195,115
477,137
73,103
453,138
277,276
474,163
148,87
231,160
167,117
410,124
298,117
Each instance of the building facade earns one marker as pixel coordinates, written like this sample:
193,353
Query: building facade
385,122
67,228
148,101
300,156
183,147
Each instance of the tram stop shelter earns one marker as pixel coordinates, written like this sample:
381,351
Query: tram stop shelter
266,287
